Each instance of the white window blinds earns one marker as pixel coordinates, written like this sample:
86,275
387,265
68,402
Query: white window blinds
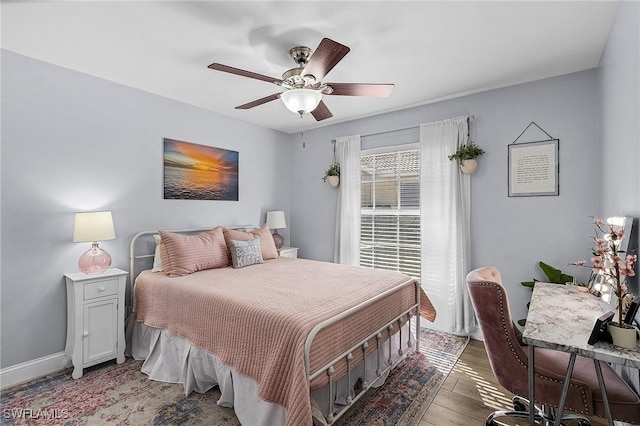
390,211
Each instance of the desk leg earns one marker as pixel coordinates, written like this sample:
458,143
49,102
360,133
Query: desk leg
603,390
532,386
565,388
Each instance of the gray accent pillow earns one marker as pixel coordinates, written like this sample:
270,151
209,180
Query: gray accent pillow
245,253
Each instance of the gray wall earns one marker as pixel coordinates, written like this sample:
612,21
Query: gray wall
618,85
510,233
72,142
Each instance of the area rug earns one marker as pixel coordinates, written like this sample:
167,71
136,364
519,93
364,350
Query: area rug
111,394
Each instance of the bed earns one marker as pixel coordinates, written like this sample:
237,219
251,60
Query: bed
288,341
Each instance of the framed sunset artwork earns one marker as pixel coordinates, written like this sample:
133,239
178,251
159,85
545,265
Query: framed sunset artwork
199,172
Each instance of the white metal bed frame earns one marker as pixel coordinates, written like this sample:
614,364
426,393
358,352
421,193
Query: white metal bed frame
137,254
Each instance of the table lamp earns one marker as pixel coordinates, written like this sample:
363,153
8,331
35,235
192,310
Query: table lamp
93,227
276,220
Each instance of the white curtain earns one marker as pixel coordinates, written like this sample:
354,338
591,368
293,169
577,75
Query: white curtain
445,224
347,248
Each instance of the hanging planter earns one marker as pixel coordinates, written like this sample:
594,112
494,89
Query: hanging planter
333,180
468,166
466,155
332,175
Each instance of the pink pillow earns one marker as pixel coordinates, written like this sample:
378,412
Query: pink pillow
164,256
186,254
232,234
267,246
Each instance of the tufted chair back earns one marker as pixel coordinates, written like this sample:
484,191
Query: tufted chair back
505,350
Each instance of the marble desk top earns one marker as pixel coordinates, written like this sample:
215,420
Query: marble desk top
561,317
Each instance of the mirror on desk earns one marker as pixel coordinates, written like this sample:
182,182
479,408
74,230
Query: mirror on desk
599,281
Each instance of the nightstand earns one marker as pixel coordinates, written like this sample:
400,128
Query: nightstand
95,318
288,252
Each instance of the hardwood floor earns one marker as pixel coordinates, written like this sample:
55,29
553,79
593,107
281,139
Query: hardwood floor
471,392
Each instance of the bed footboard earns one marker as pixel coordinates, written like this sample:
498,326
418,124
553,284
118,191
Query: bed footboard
380,337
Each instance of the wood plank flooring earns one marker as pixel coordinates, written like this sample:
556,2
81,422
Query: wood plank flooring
471,392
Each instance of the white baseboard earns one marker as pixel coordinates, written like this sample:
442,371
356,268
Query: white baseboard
30,370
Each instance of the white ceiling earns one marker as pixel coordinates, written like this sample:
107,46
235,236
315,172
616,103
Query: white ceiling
431,50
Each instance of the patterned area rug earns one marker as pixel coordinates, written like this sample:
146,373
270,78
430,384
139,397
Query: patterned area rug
411,386
111,394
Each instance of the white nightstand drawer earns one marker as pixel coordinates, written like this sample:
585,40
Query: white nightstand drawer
100,289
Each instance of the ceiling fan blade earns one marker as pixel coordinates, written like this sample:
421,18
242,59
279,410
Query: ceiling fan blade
244,73
259,101
321,112
362,89
325,57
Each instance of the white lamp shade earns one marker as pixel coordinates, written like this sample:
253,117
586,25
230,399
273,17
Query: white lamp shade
301,101
93,226
276,220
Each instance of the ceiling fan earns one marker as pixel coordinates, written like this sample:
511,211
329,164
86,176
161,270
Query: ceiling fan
303,85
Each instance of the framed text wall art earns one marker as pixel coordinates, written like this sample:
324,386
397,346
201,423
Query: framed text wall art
534,167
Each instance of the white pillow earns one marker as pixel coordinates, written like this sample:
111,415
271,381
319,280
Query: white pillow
157,260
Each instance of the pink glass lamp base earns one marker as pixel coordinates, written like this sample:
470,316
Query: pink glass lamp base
277,238
94,261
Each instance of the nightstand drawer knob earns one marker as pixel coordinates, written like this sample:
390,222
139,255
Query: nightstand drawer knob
102,288
85,334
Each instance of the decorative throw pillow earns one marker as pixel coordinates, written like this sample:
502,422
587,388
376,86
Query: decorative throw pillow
267,246
186,254
164,257
245,253
233,234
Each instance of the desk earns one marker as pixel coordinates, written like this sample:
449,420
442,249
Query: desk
561,317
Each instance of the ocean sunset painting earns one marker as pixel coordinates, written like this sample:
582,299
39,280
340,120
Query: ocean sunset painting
199,172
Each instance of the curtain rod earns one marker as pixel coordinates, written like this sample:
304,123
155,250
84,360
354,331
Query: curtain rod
469,117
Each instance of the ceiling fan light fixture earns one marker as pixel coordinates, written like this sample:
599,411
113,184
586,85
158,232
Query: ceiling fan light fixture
300,101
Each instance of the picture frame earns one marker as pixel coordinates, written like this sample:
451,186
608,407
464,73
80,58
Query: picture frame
632,311
199,172
599,332
533,168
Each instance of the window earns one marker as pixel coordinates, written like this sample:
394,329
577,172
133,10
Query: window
390,211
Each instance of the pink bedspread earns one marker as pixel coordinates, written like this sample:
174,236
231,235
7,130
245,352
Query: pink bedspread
272,307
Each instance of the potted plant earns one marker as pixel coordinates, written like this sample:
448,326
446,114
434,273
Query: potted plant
332,174
614,266
466,155
554,275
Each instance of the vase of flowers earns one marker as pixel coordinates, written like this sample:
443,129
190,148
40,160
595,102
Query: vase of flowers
614,266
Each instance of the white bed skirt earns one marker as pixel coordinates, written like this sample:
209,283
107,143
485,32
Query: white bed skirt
173,359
